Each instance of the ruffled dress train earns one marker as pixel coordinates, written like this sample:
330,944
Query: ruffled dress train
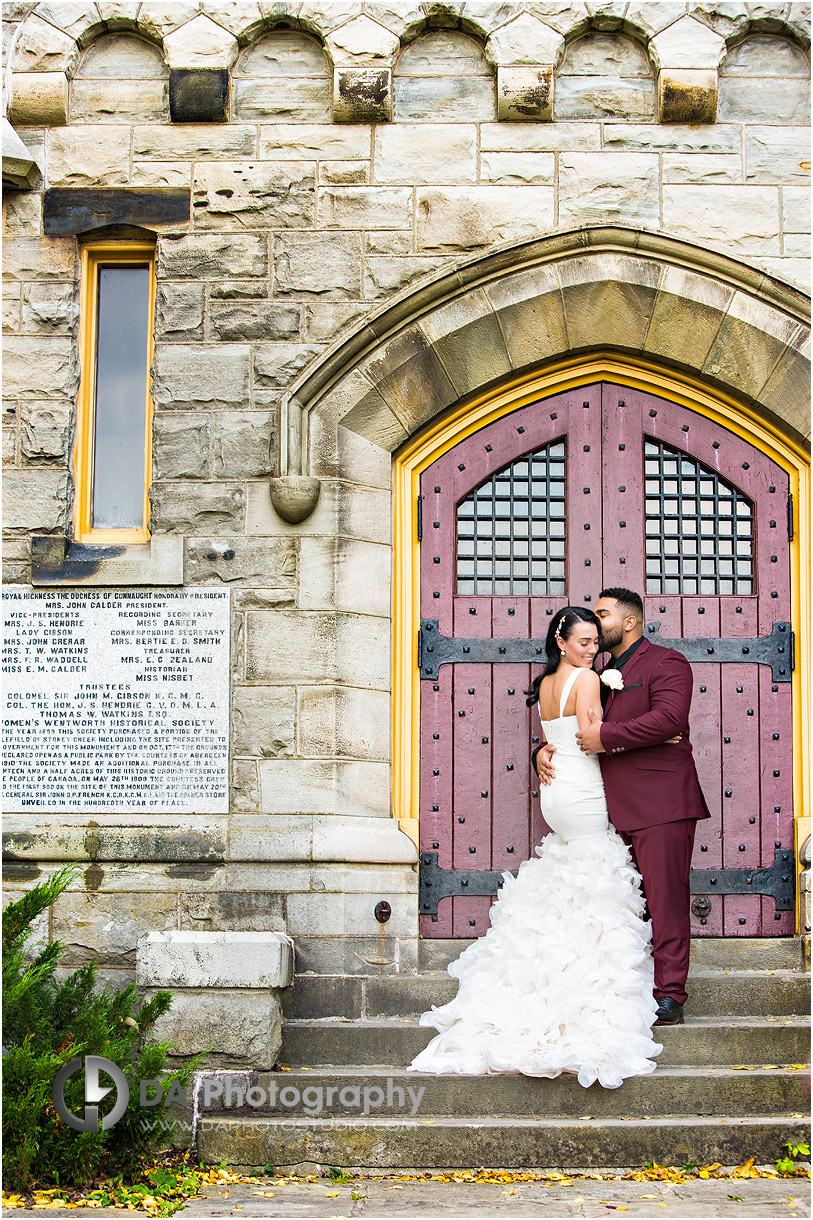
562,980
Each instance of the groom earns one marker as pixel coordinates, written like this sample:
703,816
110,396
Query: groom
653,793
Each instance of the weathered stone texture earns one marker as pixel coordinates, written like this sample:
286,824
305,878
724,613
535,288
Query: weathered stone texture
343,722
105,101
621,186
344,173
312,142
276,364
359,207
49,308
257,196
22,213
180,446
38,367
179,311
424,153
194,141
89,155
259,562
196,509
212,256
240,1027
518,168
200,375
263,721
44,258
444,77
45,431
106,927
249,912
242,444
257,320
777,154
742,219
308,265
463,218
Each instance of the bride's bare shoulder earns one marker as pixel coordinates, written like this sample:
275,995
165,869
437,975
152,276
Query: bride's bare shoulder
589,681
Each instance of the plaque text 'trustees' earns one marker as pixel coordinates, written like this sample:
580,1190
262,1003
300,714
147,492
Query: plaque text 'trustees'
116,700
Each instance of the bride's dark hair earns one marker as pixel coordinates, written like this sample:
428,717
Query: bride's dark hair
562,624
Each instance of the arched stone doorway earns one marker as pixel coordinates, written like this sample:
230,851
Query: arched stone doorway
524,322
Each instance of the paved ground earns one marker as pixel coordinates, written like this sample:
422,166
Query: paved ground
373,1197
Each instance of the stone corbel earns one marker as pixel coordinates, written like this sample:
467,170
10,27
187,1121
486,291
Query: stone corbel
294,493
39,99
525,53
687,56
19,167
362,52
200,54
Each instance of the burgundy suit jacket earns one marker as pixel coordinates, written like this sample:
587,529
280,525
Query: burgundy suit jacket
646,781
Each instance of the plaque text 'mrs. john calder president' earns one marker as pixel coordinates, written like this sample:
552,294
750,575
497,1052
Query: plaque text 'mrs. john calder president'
116,700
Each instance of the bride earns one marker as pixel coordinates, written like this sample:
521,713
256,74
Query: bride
562,981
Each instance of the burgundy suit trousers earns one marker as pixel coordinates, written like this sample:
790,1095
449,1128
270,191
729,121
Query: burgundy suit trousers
663,855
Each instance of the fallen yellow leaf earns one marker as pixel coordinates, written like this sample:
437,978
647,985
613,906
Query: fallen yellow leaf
332,1194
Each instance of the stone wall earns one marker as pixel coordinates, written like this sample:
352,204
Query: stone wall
359,148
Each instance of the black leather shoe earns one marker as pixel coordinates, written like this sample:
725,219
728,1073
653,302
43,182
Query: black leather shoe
669,1011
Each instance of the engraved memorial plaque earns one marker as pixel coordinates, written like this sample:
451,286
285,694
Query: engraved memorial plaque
116,700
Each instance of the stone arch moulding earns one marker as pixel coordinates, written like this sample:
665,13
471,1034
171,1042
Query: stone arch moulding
526,320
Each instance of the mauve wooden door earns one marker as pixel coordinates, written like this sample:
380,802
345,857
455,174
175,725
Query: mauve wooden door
595,487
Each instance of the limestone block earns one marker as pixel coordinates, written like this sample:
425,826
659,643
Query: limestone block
253,960
180,446
524,40
650,19
787,389
280,839
314,141
467,340
259,911
11,308
106,101
444,99
463,218
777,154
207,255
121,14
39,98
362,95
49,308
200,43
363,879
252,196
305,647
122,57
409,377
276,364
344,173
796,209
160,173
364,207
350,509
767,99
610,97
710,168
106,927
266,320
518,168
180,509
687,95
22,213
426,153
45,430
232,562
238,1027
321,265
200,375
719,138
731,21
739,219
245,786
81,21
41,47
194,141
331,787
343,722
199,95
762,56
752,339
179,311
688,312
89,155
263,721
796,245
284,98
238,290
608,298
360,41
524,93
384,276
605,52
349,914
344,574
688,43
37,367
528,305
622,186
558,137
242,444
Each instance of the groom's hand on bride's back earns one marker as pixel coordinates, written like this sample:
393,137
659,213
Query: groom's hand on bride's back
542,762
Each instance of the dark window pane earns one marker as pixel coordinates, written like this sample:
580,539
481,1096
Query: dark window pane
121,397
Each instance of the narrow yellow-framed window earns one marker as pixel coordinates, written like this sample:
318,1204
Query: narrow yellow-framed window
114,417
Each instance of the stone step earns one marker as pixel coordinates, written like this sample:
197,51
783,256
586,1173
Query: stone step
510,1143
708,953
668,1091
781,1040
711,994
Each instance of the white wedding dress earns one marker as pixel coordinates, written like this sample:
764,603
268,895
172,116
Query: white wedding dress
562,980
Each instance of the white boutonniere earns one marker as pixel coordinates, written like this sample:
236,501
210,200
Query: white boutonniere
613,678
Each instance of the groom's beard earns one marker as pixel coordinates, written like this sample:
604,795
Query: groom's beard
609,639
